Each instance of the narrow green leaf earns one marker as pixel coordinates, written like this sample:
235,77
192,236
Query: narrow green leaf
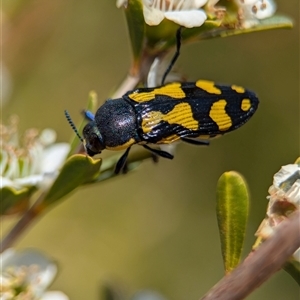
213,29
162,37
274,22
232,214
136,27
78,169
12,200
293,268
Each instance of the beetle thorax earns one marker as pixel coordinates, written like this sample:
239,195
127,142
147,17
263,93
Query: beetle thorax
116,120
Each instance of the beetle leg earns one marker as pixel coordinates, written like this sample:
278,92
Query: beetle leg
125,168
175,57
121,162
195,142
161,153
155,158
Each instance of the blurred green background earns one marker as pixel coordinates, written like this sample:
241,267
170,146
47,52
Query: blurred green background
156,227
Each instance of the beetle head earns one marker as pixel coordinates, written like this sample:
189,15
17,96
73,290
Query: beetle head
93,139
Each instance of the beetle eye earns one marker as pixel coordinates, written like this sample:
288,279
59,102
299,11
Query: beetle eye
93,139
91,152
93,145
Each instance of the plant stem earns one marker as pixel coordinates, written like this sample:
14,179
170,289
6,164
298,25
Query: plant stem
129,83
260,264
22,224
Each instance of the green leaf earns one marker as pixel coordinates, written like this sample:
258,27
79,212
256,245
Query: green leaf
12,200
213,29
274,22
293,268
78,169
162,37
232,214
136,27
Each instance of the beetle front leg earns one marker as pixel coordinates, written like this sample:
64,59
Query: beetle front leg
122,161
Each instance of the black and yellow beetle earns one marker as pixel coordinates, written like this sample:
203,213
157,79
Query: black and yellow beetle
162,115
193,112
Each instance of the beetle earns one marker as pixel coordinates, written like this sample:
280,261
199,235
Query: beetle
193,112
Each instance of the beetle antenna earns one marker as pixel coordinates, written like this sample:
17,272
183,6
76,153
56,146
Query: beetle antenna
68,117
175,57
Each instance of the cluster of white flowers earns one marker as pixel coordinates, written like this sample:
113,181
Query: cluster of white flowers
188,13
32,163
26,275
284,199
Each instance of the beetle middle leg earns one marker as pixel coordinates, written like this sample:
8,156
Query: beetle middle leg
195,141
158,152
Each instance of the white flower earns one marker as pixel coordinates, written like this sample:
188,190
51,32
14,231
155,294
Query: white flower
286,185
35,162
183,12
54,295
27,275
186,13
284,198
252,10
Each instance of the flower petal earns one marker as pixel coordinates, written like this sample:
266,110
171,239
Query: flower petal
31,180
200,3
286,176
7,254
189,19
246,2
5,182
121,3
39,277
53,157
264,9
54,295
152,16
296,255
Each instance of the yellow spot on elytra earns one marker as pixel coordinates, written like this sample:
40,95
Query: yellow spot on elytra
172,90
246,104
238,89
151,119
123,146
219,115
208,86
181,114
